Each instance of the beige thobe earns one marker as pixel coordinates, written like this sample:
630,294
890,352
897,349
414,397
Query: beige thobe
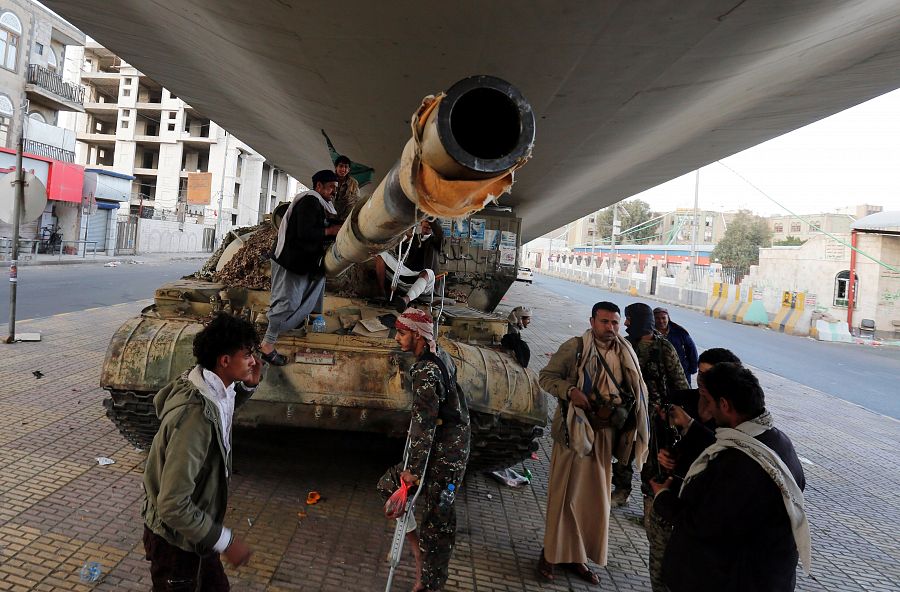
578,496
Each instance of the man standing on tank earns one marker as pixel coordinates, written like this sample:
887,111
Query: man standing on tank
347,192
298,280
439,436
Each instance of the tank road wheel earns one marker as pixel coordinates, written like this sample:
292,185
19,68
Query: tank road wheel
498,443
134,415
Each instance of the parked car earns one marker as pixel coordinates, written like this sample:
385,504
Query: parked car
525,275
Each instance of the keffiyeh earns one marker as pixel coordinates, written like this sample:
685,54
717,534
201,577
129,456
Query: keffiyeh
419,322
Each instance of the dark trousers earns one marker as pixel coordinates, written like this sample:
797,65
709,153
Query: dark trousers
176,570
623,472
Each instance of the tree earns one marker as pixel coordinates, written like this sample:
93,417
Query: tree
631,213
789,241
739,247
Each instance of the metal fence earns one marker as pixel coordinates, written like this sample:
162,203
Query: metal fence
126,235
53,82
49,151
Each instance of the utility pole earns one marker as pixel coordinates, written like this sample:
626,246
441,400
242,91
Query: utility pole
696,219
18,212
612,241
694,229
221,194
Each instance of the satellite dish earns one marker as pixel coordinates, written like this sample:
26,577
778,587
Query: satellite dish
35,197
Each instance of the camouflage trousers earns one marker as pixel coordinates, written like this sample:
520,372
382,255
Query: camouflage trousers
658,533
437,533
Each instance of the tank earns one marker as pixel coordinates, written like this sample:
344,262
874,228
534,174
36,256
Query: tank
464,149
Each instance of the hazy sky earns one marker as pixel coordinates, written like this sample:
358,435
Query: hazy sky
847,159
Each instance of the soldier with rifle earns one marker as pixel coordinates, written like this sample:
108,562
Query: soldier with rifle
663,374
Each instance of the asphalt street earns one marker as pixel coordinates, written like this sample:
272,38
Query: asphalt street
866,375
46,290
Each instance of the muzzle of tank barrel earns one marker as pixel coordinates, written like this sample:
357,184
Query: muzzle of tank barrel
465,147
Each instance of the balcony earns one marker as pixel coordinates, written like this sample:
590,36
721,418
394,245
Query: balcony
104,111
46,86
49,151
197,141
96,139
109,80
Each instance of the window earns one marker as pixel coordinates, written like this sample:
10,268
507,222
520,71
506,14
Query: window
6,114
126,81
37,117
38,48
52,62
842,289
126,92
795,227
779,227
171,126
126,112
10,32
275,180
124,124
815,225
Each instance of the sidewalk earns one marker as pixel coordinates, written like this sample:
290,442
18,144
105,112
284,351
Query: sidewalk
45,259
59,508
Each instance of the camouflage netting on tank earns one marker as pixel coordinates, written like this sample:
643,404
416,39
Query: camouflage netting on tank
249,268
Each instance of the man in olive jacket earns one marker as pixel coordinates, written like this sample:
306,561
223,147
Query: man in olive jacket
189,462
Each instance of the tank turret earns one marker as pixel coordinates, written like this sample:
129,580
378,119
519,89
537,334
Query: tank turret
464,148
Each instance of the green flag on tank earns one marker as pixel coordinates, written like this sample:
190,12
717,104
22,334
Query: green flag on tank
362,173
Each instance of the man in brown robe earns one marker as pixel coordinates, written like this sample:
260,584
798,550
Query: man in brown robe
578,498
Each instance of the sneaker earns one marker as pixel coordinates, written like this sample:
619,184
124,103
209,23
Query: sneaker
274,358
620,497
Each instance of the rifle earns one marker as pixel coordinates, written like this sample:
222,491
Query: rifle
665,436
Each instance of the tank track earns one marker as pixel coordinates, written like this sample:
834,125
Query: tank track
496,443
134,414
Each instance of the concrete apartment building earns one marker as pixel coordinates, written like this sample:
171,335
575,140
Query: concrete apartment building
810,226
182,166
674,228
34,44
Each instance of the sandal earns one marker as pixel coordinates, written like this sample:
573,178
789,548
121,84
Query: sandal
545,568
583,572
274,358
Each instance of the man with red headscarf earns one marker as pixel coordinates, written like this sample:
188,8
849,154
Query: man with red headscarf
438,447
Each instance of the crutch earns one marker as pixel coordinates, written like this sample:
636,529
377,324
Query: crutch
437,318
403,521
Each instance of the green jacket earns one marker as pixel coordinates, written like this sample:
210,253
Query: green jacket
186,476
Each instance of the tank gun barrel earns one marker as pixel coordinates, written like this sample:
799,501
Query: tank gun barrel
465,147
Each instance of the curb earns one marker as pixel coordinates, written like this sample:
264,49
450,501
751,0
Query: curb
125,259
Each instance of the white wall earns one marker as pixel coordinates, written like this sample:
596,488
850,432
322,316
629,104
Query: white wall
158,236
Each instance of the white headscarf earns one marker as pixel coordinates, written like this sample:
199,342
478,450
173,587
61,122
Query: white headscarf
516,316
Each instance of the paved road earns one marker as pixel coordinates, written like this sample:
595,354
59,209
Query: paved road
46,290
865,375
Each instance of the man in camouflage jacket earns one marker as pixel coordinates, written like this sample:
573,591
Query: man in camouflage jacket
663,373
439,437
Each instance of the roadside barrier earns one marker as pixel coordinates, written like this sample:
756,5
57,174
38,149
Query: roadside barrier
792,305
717,299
